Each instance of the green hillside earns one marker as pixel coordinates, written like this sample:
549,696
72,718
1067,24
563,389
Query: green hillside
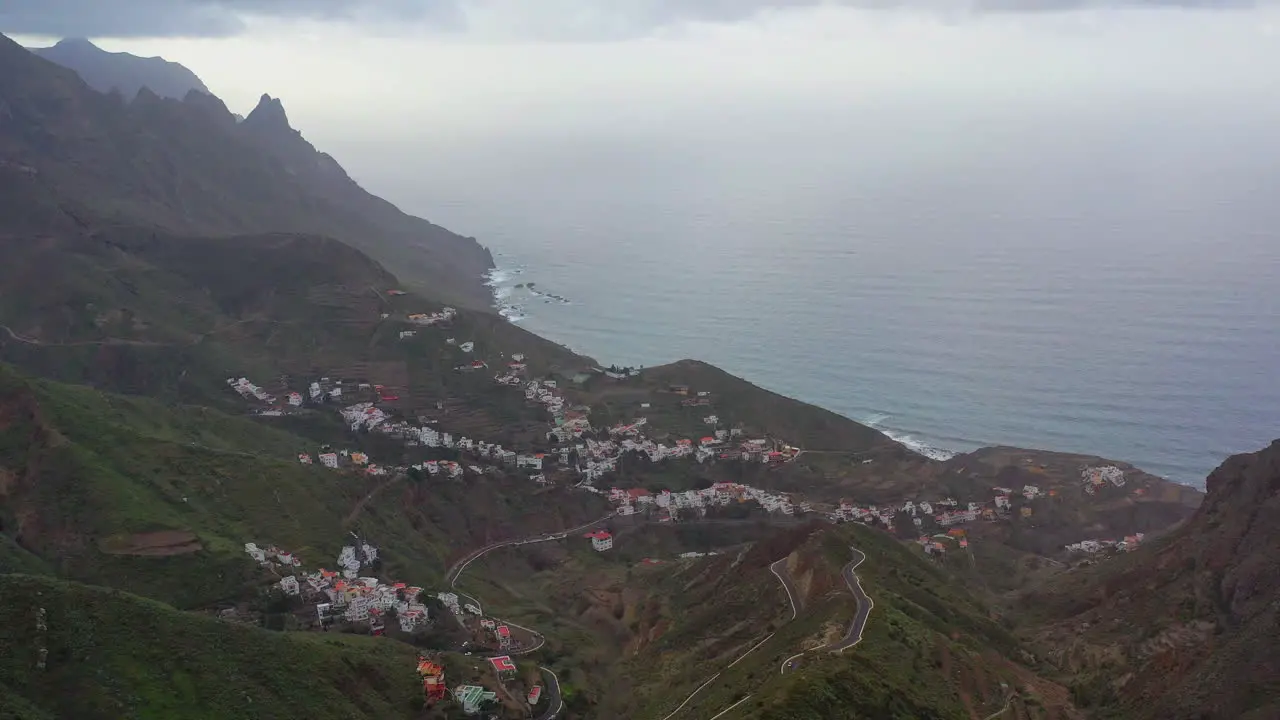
108,654
92,478
929,650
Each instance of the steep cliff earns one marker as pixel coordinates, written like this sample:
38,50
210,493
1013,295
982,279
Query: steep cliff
1188,627
72,157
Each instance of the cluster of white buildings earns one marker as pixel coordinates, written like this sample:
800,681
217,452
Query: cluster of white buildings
671,505
343,593
546,393
272,556
445,316
335,460
249,390
1097,477
945,513
1130,542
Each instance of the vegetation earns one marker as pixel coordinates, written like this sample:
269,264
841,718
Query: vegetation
83,652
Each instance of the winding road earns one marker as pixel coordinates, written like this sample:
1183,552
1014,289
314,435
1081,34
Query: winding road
779,569
854,634
554,702
850,639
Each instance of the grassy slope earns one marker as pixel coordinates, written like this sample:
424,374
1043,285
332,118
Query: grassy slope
929,650
113,655
89,469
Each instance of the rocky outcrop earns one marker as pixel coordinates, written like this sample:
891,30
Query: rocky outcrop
1188,627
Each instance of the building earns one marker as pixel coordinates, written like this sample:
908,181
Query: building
503,633
471,697
601,540
535,694
503,664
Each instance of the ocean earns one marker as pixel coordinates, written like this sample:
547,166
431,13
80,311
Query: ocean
1099,284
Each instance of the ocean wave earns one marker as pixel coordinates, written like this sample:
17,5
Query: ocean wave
495,277
911,442
512,314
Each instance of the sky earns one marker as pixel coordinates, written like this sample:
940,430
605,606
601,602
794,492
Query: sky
361,78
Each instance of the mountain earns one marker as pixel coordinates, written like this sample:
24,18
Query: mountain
1188,627
121,72
75,160
153,249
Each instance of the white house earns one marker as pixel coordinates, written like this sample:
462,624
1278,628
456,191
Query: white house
601,540
255,552
289,585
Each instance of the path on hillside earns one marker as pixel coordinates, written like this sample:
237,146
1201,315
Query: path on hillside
854,635
359,506
1007,702
779,569
81,343
794,598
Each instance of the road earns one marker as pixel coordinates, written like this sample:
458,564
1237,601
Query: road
854,635
779,569
81,343
724,712
865,604
554,702
456,570
1007,702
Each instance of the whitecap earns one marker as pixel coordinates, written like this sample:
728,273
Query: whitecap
911,442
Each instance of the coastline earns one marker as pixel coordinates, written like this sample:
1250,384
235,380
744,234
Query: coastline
507,287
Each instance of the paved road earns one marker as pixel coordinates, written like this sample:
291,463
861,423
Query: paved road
456,570
865,604
779,569
552,689
854,634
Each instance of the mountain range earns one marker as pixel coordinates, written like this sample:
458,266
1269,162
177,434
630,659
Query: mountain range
154,247
121,72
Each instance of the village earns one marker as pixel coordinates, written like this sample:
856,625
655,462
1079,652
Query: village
581,455
346,600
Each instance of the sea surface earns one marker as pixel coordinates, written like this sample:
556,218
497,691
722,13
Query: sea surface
1108,286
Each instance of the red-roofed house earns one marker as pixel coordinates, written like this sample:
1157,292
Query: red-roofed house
503,663
601,540
535,694
504,635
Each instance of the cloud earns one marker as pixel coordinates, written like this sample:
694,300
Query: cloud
541,19
203,18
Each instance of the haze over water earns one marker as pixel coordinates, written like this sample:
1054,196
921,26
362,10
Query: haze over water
1088,282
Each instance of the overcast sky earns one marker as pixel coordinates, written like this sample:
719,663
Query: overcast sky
360,77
